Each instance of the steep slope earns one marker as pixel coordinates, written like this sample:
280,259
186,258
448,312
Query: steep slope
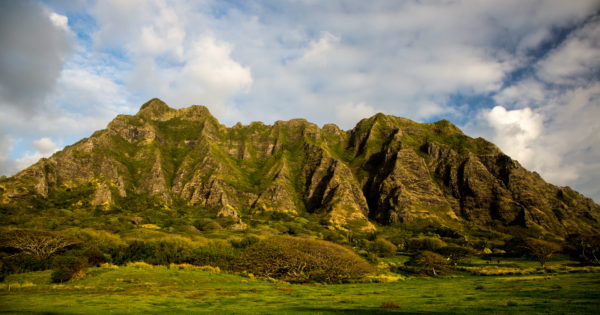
387,169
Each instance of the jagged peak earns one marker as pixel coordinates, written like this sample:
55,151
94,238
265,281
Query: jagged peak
155,104
446,126
156,109
195,110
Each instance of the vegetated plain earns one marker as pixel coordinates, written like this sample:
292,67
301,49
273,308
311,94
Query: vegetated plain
138,288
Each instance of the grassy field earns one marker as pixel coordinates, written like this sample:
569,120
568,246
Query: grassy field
170,290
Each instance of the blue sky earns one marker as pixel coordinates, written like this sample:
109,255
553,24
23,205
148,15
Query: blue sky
522,74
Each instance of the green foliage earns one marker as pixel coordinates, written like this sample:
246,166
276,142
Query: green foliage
586,248
429,262
68,268
383,247
302,260
19,263
424,243
244,242
455,253
541,250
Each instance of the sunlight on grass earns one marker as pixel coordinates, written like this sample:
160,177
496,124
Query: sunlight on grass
179,289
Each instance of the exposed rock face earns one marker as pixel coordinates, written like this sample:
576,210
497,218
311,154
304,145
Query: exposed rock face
387,169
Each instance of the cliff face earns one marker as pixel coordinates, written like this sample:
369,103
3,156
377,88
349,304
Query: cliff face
387,170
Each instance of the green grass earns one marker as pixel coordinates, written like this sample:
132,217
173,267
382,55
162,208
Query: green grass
163,290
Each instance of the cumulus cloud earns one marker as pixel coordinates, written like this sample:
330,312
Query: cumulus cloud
576,59
44,147
350,114
209,75
552,125
516,131
170,58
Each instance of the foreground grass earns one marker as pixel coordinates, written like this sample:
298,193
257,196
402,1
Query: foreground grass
163,290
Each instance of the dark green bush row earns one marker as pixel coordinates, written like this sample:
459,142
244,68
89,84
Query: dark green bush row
165,252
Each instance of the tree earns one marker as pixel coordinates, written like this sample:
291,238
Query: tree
302,260
455,253
587,247
541,250
40,244
430,261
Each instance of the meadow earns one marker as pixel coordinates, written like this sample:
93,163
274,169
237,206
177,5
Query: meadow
138,288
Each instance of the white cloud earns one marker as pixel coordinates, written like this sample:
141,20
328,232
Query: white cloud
527,93
59,21
318,52
43,147
350,114
515,131
575,59
209,75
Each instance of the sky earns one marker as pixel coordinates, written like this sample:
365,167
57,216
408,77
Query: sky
524,74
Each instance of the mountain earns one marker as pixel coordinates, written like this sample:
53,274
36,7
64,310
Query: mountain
386,170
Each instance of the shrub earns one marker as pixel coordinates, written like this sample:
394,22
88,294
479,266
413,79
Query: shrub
586,248
193,267
429,261
22,263
140,265
383,247
541,250
94,257
68,268
162,252
302,260
455,253
207,225
425,243
244,242
215,255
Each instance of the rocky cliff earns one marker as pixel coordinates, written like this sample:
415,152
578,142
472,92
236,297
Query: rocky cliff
386,170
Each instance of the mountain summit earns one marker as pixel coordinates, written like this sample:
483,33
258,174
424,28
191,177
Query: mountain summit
386,170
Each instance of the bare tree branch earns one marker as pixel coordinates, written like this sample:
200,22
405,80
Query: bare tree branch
37,243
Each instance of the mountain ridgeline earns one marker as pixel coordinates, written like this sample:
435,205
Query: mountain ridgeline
385,171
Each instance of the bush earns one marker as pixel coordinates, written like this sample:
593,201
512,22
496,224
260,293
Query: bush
94,257
68,268
302,260
429,261
22,263
207,225
541,250
455,253
383,247
161,252
426,243
244,242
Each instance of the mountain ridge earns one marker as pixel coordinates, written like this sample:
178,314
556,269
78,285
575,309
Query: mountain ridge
386,170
